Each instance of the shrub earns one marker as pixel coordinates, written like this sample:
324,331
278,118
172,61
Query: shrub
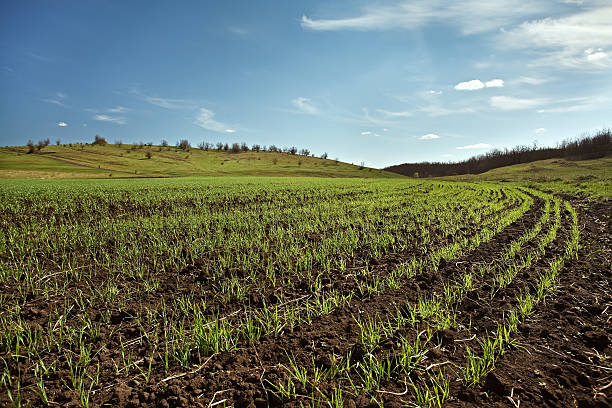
100,141
183,144
164,143
324,155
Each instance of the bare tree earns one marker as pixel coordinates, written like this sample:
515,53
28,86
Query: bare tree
30,146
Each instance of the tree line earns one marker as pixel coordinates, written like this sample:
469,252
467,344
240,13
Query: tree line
585,148
185,145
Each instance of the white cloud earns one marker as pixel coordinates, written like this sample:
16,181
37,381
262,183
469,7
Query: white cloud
471,16
512,103
540,130
475,84
435,110
390,114
596,55
472,85
495,83
429,136
206,119
447,155
305,105
62,124
118,109
385,130
434,92
113,119
577,41
531,81
367,132
84,124
475,146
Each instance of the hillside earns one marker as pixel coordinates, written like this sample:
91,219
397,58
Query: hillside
114,161
580,177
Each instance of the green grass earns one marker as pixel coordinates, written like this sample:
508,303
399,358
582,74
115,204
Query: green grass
585,177
113,161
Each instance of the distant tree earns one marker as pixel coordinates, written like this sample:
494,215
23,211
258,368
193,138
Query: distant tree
264,148
148,155
292,150
58,142
100,141
324,155
226,147
244,147
273,148
30,146
256,148
204,146
235,148
164,143
184,145
149,144
305,152
119,143
42,144
361,165
219,146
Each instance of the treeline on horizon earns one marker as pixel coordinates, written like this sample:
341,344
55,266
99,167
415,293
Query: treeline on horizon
585,148
184,145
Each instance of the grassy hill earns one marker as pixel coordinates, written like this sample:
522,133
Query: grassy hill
114,161
583,177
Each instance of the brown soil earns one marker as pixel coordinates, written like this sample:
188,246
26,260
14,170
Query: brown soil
563,359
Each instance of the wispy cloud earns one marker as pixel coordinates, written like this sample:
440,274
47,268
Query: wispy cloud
540,130
58,99
436,110
239,31
118,109
367,132
170,103
429,136
471,16
578,41
112,119
577,104
475,146
206,120
512,103
476,84
390,114
62,124
36,56
305,105
531,81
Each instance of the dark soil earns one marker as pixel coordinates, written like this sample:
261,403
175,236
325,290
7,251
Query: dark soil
563,359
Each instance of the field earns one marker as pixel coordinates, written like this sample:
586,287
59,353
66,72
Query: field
560,176
255,292
139,161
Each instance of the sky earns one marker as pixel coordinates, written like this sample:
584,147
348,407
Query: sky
383,82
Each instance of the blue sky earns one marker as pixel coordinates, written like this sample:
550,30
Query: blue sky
384,82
